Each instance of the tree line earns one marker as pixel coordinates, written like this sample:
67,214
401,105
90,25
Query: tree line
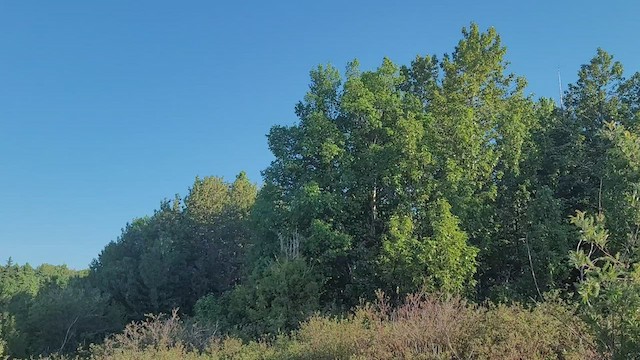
441,176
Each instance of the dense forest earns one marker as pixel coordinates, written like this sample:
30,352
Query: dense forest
427,211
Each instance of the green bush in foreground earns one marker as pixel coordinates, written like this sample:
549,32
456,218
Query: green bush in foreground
264,305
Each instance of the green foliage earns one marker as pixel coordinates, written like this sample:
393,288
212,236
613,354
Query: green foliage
388,143
141,271
609,287
274,299
61,319
622,190
567,165
609,269
442,262
51,309
451,261
482,122
217,232
171,259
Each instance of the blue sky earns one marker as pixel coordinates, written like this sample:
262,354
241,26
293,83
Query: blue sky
107,107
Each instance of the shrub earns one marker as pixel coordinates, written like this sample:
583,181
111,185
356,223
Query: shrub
549,330
158,334
274,300
235,349
609,284
430,327
423,327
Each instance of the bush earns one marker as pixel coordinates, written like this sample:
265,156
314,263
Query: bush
547,331
274,300
232,348
423,327
429,327
62,319
158,334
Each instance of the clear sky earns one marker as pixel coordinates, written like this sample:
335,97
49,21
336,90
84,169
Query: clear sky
107,107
